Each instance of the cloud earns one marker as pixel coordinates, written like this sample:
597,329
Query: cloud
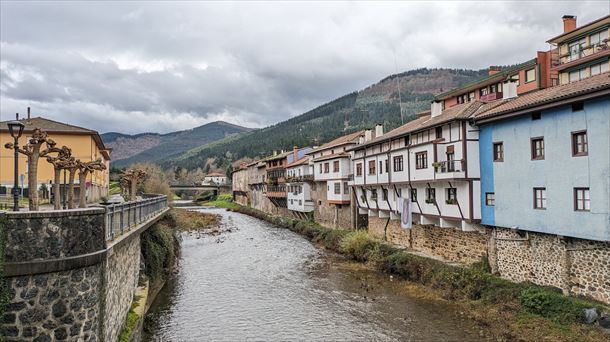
161,66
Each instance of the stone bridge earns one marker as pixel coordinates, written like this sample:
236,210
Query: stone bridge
72,274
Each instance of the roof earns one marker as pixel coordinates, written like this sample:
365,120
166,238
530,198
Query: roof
342,140
580,30
299,162
458,112
215,174
590,85
332,156
56,127
277,156
502,74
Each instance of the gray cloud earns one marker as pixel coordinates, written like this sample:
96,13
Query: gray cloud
164,66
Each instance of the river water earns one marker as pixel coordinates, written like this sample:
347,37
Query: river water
258,282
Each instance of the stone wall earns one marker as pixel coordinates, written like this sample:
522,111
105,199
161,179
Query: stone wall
121,281
447,243
55,306
574,265
329,215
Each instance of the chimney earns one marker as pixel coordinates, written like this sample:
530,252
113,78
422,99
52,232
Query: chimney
28,113
509,90
295,153
569,23
436,108
274,153
360,140
378,130
368,135
493,70
17,116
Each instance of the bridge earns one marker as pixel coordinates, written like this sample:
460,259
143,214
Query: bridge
195,189
72,274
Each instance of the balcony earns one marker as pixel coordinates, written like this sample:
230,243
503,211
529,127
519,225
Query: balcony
450,169
584,55
276,191
297,179
491,97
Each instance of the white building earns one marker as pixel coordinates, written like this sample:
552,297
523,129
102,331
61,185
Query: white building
215,178
299,176
432,160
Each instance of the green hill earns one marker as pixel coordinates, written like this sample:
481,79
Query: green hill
378,103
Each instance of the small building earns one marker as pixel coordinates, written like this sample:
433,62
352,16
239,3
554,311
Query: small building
215,178
299,179
581,51
257,178
239,185
86,145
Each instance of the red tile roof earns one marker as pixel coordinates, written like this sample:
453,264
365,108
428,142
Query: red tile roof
346,139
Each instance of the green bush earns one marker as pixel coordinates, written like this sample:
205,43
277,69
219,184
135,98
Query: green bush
224,198
553,305
159,247
359,245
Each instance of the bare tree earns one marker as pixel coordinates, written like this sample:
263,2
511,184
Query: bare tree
84,168
60,162
33,153
130,180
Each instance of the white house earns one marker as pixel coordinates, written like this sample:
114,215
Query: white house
215,178
299,175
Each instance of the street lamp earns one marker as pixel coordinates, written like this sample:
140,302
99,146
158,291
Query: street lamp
15,128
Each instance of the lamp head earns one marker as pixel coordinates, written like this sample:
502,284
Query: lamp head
15,128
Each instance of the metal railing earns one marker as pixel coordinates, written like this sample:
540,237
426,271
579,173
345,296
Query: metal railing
450,166
121,218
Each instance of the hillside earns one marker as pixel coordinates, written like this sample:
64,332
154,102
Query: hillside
358,110
153,147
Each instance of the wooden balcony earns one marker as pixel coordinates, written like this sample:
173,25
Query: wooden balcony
491,97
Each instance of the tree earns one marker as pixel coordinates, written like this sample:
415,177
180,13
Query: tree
33,152
130,180
84,168
63,158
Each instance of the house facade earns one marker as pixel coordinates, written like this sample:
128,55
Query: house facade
299,177
581,51
215,178
239,184
86,146
257,180
332,175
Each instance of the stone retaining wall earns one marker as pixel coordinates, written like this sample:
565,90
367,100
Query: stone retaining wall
329,215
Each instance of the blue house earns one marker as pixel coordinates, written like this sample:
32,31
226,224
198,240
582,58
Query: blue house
545,161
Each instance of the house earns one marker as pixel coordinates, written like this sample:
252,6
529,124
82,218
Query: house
332,173
275,166
257,180
529,76
239,183
299,181
545,160
215,178
581,51
86,145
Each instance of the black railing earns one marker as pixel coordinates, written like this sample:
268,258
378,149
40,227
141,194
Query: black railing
450,166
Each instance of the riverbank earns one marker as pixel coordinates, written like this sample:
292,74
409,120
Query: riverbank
160,253
505,311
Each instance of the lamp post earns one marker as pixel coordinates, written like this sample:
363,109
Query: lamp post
15,128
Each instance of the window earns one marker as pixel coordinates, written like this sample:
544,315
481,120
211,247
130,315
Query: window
483,92
337,188
492,88
578,75
536,116
498,152
413,195
576,48
539,198
582,201
530,75
598,38
372,170
578,106
320,168
398,164
537,148
451,196
471,96
380,167
430,195
359,169
421,160
599,68
345,188
490,198
326,168
387,165
439,132
374,195
384,193
580,146
336,166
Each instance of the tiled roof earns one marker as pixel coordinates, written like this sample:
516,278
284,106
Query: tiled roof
299,162
332,156
352,137
549,95
215,174
48,125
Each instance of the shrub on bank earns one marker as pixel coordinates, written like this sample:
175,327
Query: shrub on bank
159,249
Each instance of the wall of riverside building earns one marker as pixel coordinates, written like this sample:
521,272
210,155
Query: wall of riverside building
329,215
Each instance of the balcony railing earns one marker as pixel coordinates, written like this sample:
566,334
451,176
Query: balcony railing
302,178
491,96
450,166
121,218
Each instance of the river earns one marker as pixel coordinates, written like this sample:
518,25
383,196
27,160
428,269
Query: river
259,282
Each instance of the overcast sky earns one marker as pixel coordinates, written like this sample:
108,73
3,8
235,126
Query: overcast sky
139,67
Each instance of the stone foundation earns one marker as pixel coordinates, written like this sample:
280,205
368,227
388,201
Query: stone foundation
576,266
447,243
329,215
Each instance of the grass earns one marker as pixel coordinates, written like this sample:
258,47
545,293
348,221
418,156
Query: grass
222,201
130,322
509,311
187,220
